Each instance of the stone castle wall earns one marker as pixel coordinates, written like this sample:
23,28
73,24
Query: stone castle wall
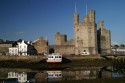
62,49
104,39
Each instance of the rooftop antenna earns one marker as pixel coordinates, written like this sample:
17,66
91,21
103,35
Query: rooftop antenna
75,8
86,8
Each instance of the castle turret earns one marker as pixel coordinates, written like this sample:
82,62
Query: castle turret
101,24
76,19
92,16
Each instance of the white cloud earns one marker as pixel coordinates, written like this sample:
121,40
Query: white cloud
20,33
115,43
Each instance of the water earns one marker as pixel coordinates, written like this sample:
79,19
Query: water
9,75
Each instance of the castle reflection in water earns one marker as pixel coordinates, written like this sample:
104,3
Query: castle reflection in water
55,75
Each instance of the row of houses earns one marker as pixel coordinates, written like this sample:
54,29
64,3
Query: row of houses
22,48
19,47
118,50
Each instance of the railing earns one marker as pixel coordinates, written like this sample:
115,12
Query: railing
117,54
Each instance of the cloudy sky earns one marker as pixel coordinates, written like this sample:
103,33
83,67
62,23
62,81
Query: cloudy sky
29,19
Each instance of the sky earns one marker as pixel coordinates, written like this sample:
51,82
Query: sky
29,19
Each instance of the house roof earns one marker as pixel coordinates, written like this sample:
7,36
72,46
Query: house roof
14,43
1,40
26,42
7,42
19,40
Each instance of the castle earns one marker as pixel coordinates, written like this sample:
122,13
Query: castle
87,39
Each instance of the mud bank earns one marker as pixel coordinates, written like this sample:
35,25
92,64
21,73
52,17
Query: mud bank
65,64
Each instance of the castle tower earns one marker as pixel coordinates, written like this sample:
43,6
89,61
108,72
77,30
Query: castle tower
85,34
60,39
92,34
104,39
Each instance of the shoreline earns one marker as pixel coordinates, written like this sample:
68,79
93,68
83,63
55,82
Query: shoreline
39,58
44,65
68,61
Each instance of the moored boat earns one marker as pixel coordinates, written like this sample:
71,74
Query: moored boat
54,58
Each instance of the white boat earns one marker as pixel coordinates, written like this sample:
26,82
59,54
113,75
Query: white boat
85,53
54,58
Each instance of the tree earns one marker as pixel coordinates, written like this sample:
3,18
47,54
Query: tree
122,45
116,46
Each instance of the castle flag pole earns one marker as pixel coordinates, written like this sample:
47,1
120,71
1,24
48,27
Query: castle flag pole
86,8
75,8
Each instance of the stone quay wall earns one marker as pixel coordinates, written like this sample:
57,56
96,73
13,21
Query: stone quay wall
39,58
22,58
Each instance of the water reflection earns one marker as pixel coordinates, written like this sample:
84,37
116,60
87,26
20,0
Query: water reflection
21,76
54,75
79,74
37,76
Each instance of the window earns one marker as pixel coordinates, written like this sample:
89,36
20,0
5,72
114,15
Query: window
84,50
12,74
59,74
12,50
19,78
25,78
24,46
77,30
78,37
9,75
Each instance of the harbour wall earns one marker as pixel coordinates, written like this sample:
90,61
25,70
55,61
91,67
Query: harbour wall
39,58
71,57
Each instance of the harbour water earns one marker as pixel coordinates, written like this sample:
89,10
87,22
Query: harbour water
22,75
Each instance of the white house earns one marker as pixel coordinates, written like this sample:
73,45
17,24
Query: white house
22,46
118,50
13,50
